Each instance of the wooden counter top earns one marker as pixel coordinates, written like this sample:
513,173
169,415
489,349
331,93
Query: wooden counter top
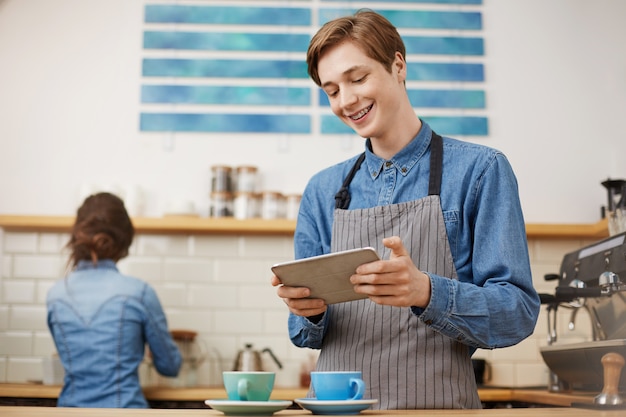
204,225
157,393
495,412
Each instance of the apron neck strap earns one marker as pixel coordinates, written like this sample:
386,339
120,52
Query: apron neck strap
436,164
342,198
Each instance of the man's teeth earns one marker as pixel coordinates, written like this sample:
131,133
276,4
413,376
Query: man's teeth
361,113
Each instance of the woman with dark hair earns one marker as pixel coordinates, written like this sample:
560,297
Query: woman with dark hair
101,320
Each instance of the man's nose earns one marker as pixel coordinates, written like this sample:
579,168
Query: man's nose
347,97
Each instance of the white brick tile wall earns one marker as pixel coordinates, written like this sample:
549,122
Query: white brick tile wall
41,290
43,345
172,294
244,271
4,317
7,266
198,270
38,266
238,322
220,287
18,343
28,317
21,369
18,291
213,296
147,268
215,246
162,245
54,243
3,369
20,242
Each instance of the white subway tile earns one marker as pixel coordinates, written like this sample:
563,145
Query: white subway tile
3,369
41,290
531,375
272,247
43,344
553,250
38,266
6,269
4,317
215,246
212,295
20,370
149,269
243,271
22,291
162,245
28,318
525,351
16,242
259,296
198,320
54,243
275,321
249,322
502,375
172,294
16,343
177,270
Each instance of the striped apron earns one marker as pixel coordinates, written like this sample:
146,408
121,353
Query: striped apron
405,364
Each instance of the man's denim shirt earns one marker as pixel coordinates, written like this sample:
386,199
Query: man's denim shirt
100,321
493,302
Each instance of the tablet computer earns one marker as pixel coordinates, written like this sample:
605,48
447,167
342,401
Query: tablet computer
328,275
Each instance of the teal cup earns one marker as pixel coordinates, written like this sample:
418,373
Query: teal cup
248,386
338,385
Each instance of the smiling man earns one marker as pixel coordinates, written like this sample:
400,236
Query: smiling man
445,217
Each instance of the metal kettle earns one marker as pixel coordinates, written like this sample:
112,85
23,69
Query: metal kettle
250,360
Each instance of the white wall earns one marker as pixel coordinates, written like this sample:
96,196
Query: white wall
69,110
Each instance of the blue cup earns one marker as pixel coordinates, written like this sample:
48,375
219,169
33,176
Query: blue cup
338,385
248,386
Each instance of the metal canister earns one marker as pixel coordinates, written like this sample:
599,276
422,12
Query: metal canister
245,205
221,178
221,204
271,205
246,179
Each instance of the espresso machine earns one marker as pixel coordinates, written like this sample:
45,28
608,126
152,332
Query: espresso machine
592,280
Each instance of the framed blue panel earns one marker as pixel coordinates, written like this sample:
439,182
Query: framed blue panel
458,125
210,41
231,123
440,45
444,125
225,15
451,99
420,19
219,68
416,1
229,95
433,71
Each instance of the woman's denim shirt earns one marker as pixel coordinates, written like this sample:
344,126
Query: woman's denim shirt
493,302
100,321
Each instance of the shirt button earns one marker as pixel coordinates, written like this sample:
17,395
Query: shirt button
404,170
428,322
388,164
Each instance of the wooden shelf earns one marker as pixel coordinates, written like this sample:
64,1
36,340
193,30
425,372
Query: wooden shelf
204,225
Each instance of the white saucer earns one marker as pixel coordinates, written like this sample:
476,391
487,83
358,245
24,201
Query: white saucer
336,407
248,408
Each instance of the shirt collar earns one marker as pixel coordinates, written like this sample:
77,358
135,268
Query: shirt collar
101,264
403,160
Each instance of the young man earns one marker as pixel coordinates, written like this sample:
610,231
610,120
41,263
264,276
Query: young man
443,214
